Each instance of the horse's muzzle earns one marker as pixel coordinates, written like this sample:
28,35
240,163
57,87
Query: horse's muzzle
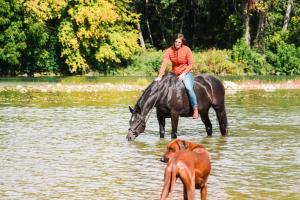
131,135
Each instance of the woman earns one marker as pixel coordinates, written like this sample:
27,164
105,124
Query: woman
181,57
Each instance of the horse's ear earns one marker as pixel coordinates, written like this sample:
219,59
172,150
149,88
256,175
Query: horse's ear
130,109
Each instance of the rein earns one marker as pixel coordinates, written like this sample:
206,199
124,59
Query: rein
154,103
147,117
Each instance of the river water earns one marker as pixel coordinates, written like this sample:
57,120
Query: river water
72,146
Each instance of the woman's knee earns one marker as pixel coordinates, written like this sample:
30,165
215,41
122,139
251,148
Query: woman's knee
189,83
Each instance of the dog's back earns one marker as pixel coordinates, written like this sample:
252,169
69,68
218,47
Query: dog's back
191,163
192,168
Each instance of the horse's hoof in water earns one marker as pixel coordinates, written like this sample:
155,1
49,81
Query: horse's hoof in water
173,136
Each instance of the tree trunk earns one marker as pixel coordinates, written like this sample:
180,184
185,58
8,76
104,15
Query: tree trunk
260,30
247,24
287,15
161,25
141,36
183,16
147,22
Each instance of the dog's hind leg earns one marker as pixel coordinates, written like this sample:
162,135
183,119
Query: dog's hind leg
203,189
188,180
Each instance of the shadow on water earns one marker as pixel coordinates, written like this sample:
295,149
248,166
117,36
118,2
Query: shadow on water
73,146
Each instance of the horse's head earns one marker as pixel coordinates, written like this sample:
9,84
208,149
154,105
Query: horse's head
137,124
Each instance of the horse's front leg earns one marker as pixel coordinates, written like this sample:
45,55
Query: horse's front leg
162,122
174,121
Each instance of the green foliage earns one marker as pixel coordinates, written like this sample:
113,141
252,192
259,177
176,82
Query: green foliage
254,63
98,35
78,36
41,55
71,51
26,45
294,36
12,37
284,57
215,61
12,41
146,63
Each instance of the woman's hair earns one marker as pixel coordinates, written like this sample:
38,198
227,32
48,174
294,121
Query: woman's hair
179,36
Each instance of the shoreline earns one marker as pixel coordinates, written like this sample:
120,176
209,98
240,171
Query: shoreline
230,86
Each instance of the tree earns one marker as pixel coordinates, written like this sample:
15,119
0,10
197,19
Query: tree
287,14
261,9
12,37
249,5
98,35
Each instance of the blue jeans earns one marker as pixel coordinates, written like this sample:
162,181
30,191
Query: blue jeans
188,82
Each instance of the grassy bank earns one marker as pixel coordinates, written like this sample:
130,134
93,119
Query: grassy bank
139,80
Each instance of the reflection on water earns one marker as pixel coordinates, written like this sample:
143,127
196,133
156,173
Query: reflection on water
73,146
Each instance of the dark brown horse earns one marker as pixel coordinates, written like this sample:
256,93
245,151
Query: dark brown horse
171,101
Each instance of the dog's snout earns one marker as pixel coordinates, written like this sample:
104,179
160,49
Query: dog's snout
164,159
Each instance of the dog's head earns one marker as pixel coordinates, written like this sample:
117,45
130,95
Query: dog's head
173,147
179,144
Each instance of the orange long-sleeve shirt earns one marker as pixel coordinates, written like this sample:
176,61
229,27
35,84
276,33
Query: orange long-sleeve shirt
181,59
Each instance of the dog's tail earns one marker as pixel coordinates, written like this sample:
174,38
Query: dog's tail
173,180
169,181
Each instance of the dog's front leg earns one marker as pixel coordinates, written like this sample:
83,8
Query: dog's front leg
204,192
185,197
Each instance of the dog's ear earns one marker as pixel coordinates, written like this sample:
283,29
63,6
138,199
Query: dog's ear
130,109
182,145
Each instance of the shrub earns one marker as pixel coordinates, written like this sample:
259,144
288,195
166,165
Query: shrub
254,62
215,61
146,63
284,57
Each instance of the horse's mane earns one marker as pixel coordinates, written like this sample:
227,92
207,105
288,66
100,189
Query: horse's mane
150,89
153,88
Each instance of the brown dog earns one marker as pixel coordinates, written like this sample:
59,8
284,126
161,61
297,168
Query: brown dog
191,163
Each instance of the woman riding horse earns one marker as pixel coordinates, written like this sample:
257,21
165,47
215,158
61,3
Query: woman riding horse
181,57
170,99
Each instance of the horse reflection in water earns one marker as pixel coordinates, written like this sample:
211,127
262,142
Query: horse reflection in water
171,101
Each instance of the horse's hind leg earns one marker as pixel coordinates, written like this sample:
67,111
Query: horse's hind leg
222,118
205,119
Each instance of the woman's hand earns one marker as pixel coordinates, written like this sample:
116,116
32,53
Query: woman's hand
158,78
181,76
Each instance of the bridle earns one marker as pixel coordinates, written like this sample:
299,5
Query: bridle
141,121
133,129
